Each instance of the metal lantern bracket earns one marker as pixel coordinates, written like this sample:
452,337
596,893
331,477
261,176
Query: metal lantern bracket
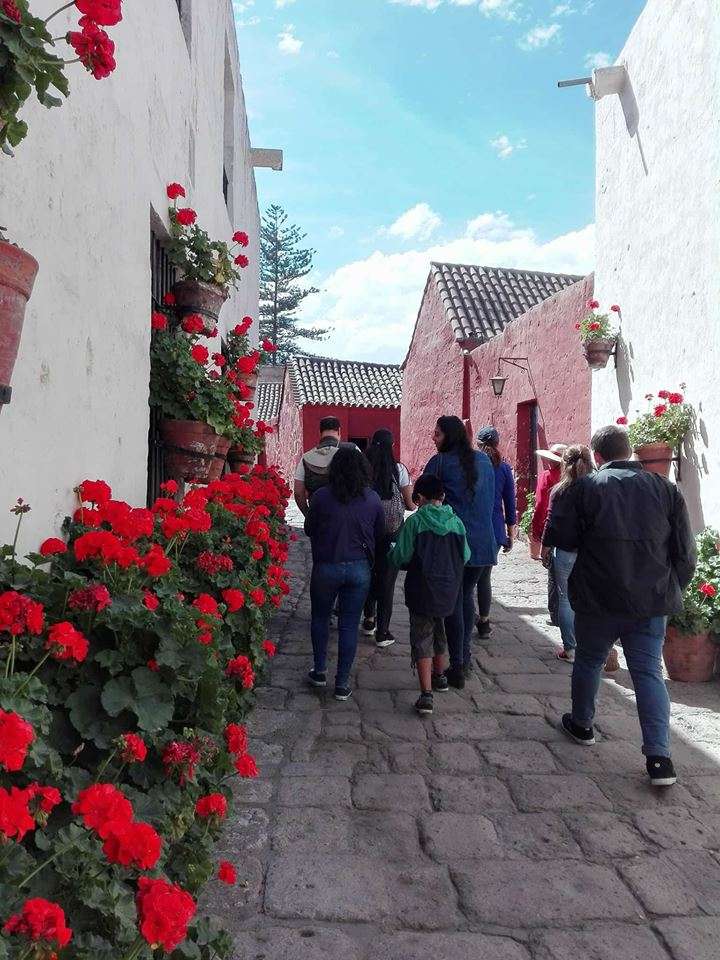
498,381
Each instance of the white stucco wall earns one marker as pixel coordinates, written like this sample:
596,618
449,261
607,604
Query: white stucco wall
79,196
658,230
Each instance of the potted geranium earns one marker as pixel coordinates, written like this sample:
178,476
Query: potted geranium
690,650
657,434
597,335
210,268
28,63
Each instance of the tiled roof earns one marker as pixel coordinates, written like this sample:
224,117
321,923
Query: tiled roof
480,301
267,401
345,383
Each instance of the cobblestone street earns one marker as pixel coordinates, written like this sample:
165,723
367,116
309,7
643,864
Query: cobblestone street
480,833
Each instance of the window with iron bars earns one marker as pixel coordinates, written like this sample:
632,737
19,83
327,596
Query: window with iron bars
162,278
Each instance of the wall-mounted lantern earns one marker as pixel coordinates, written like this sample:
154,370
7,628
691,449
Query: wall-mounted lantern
498,381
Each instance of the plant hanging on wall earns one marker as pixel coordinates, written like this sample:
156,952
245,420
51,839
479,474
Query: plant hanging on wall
597,334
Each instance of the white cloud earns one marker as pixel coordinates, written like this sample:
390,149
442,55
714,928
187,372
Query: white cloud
248,22
505,9
288,43
242,6
333,55
598,59
505,148
540,36
372,303
283,3
417,223
336,232
425,4
563,10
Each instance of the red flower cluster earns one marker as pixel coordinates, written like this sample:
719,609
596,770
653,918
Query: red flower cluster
241,238
66,643
158,321
592,304
132,748
92,599
42,800
186,217
164,913
227,873
42,922
150,600
206,605
181,759
194,324
258,597
19,615
52,547
241,667
199,353
270,648
175,190
234,600
594,325
15,817
241,329
269,347
213,805
94,491
242,261
94,48
214,563
660,410
708,590
236,740
11,10
16,735
132,844
100,805
622,421
106,12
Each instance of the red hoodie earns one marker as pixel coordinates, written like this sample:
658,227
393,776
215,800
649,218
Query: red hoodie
547,480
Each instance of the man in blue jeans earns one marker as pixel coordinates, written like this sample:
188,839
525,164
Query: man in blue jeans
636,555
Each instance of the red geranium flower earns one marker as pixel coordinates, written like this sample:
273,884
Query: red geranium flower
170,486
269,647
132,844
708,589
156,562
615,308
193,323
153,665
242,238
206,604
234,599
16,735
592,304
92,599
41,921
241,667
675,398
577,326
133,748
175,190
164,912
94,491
236,738
66,643
100,804
52,546
246,766
19,614
181,759
258,597
268,346
219,360
622,421
199,353
95,49
46,798
169,300
11,10
186,217
226,872
663,394
660,409
106,12
213,805
594,325
150,600
242,261
158,321
15,817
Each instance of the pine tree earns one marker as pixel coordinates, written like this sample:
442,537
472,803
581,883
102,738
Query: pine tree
283,262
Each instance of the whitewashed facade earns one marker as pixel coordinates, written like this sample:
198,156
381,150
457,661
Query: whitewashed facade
84,195
658,229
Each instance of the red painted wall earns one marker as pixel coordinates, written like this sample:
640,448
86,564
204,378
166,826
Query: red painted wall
432,382
561,381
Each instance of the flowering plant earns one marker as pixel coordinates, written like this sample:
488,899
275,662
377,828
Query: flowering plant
115,765
701,600
195,254
667,421
27,60
596,326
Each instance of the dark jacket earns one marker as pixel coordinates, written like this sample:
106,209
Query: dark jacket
631,530
341,532
505,509
474,507
433,549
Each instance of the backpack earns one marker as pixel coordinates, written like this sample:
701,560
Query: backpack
317,466
394,510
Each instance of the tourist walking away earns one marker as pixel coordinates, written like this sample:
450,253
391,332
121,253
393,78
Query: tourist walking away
577,462
635,556
432,547
313,470
469,483
549,478
345,521
504,519
391,482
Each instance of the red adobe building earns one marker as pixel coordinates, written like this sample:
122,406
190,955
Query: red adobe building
472,321
363,396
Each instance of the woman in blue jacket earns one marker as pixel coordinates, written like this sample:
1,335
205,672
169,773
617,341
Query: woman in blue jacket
469,481
504,519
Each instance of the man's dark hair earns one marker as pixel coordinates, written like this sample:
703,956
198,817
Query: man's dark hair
612,443
329,423
429,486
349,474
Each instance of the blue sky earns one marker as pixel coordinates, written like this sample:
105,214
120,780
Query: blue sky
425,129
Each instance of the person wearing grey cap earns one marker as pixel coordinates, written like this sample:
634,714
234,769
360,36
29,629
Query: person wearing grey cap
504,519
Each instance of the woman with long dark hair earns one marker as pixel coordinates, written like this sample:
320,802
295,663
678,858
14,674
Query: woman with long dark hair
345,521
469,482
504,519
391,482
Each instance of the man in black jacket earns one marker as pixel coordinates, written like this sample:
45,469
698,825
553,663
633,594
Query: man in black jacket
635,556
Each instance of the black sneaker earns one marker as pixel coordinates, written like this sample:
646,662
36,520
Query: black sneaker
316,679
440,683
583,735
483,629
384,640
468,670
661,771
342,693
368,626
455,677
424,704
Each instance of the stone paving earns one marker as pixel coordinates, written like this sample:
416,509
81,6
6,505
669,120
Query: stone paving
480,833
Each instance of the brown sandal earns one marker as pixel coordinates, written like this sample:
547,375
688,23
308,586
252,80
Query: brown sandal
612,664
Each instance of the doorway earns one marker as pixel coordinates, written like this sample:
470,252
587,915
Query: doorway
360,442
527,447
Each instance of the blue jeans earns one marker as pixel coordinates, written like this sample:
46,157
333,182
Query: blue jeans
563,563
349,583
459,625
642,642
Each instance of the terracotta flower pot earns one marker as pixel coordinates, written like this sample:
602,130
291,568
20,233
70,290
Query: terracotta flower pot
655,457
598,352
221,452
17,276
193,296
237,457
189,449
689,659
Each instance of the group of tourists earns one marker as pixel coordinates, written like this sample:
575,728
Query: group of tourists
616,540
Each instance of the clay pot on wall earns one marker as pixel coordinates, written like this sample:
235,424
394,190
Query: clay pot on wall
17,276
598,352
689,659
221,452
237,458
188,449
656,458
194,296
